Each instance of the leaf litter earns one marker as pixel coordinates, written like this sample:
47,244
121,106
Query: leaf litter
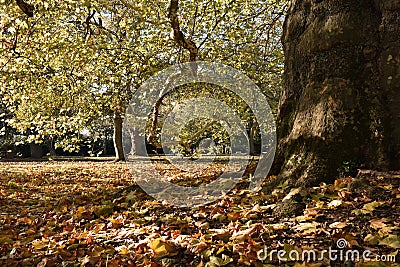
93,214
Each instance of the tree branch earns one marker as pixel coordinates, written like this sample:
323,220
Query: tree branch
177,34
26,8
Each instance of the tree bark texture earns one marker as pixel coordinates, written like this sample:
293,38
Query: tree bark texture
341,100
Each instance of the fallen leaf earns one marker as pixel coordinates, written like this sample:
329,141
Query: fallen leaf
40,244
335,203
392,241
338,225
162,248
371,239
372,205
122,250
378,223
307,228
241,236
216,261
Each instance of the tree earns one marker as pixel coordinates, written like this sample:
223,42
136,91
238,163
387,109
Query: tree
243,35
61,79
340,105
65,64
44,73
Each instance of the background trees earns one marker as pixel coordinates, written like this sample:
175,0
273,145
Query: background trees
70,64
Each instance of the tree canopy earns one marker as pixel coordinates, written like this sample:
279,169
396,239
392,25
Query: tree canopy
71,63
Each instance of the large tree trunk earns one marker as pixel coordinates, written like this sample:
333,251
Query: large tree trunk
119,150
341,100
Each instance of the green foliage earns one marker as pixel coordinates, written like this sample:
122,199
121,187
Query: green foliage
72,63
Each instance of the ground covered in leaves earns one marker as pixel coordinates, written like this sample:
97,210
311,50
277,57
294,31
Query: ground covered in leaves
92,214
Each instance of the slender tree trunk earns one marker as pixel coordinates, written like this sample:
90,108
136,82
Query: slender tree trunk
340,104
36,151
53,152
156,111
119,151
136,148
105,150
252,132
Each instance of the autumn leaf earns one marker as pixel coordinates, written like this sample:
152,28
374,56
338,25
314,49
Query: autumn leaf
61,222
104,210
335,203
161,248
123,250
373,205
5,239
40,244
371,239
241,236
378,223
391,241
219,261
338,225
307,228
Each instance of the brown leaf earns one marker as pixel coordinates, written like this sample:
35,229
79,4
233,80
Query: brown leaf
378,223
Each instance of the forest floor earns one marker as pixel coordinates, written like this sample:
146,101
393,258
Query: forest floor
93,214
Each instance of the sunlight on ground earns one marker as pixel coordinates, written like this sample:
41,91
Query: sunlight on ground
88,213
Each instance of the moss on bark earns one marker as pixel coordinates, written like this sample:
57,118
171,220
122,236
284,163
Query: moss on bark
341,96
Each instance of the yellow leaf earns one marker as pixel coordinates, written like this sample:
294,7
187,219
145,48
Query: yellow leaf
373,205
39,244
123,250
391,241
30,231
162,248
338,225
80,211
153,203
307,228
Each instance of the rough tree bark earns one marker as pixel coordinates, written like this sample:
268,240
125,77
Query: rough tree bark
120,109
341,99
